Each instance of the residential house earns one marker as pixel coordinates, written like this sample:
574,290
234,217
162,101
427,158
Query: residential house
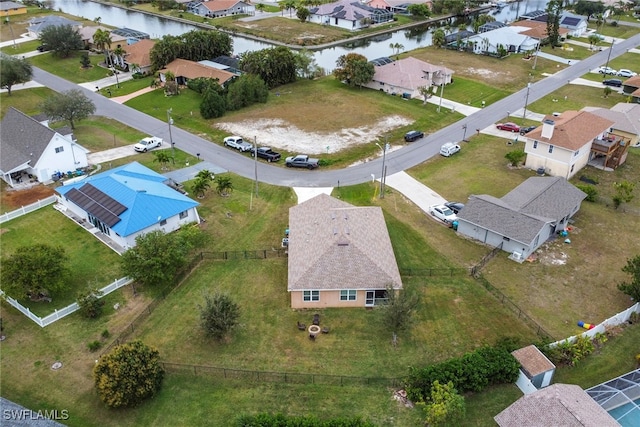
562,145
406,76
217,8
340,255
185,70
349,14
32,150
396,6
131,35
505,37
525,218
138,56
38,24
613,148
11,8
87,33
226,63
632,111
126,202
575,24
536,370
536,30
565,405
631,88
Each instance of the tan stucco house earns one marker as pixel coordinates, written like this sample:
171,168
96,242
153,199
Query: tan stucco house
340,255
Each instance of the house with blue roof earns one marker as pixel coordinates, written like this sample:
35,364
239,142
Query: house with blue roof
128,201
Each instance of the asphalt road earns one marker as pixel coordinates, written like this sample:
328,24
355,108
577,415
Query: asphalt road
396,161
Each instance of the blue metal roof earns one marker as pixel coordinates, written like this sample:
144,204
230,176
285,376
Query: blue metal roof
142,191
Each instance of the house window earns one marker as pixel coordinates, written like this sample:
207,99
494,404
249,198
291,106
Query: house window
550,149
59,149
348,295
184,214
576,153
572,166
311,295
535,144
163,222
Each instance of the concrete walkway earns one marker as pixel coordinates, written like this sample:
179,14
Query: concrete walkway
189,172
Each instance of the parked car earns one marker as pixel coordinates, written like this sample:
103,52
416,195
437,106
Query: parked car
443,213
147,144
623,72
43,48
413,135
237,143
511,127
449,149
612,82
607,70
266,153
526,130
301,161
455,207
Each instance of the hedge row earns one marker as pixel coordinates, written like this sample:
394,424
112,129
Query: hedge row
279,420
473,371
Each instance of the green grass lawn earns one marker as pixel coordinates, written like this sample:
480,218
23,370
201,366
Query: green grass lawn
91,262
70,67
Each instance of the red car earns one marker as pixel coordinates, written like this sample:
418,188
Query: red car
511,127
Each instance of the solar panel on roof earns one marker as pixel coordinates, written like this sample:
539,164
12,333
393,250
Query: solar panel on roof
569,20
97,203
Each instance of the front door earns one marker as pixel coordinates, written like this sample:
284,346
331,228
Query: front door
370,299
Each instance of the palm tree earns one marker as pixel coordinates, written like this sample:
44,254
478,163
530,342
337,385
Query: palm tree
438,37
119,53
200,187
206,175
397,47
224,186
162,157
102,41
593,40
260,7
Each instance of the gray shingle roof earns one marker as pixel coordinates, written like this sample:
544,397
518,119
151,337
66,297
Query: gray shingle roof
335,245
565,405
22,139
548,197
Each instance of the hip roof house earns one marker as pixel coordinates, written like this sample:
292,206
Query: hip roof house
340,255
128,201
525,218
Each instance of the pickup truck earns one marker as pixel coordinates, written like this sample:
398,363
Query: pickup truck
147,144
237,143
266,153
301,161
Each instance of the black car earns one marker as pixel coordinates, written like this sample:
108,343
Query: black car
527,129
413,135
43,48
612,82
455,206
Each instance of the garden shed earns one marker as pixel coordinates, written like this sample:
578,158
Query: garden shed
536,370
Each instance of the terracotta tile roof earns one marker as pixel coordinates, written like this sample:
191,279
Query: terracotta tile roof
537,29
139,52
632,81
572,129
410,73
565,405
87,34
335,245
532,361
218,5
192,70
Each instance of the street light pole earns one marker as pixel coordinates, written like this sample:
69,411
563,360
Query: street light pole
255,163
384,157
170,121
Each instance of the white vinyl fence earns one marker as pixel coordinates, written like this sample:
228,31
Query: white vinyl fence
59,314
26,209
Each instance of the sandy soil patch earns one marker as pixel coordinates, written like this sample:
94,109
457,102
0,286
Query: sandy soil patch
278,133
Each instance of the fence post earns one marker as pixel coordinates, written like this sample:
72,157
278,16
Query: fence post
195,371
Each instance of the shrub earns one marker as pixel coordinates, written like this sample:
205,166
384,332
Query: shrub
94,345
589,190
276,420
90,303
105,334
515,157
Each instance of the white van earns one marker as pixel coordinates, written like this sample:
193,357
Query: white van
449,148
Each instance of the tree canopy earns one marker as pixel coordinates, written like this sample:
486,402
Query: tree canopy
588,8
196,45
69,106
128,375
14,71
62,39
218,315
354,69
632,288
246,90
276,65
554,10
34,270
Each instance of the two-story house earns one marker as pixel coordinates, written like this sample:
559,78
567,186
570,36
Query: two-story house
562,145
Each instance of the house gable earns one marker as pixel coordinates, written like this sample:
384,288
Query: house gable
409,74
183,68
23,140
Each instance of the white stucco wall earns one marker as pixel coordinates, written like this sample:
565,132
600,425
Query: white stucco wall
71,157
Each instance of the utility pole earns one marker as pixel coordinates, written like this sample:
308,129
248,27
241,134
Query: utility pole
606,67
170,121
255,163
464,134
535,60
442,92
382,174
526,101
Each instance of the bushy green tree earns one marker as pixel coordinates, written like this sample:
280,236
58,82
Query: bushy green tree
444,406
302,13
515,157
14,71
554,11
213,104
588,8
624,192
354,69
35,270
248,89
438,38
128,375
632,288
90,303
306,65
218,315
398,311
590,191
69,106
419,9
85,62
195,45
62,39
276,66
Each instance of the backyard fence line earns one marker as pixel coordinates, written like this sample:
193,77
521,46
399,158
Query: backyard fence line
476,269
278,377
245,254
601,328
59,314
8,216
428,272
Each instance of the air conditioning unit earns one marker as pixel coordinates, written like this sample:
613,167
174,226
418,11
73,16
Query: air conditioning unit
516,256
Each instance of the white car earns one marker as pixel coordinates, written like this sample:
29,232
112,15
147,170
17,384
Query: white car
238,143
443,213
147,144
607,70
626,73
449,149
